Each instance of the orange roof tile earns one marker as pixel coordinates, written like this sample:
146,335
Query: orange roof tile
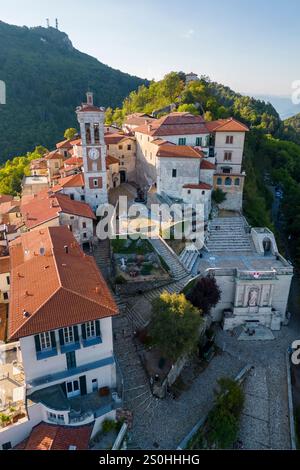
4,264
198,186
5,198
175,124
110,160
46,281
116,138
72,181
43,209
54,155
206,165
178,151
46,436
74,161
10,206
65,144
226,125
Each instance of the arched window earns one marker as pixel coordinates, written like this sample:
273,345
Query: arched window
237,181
228,181
219,181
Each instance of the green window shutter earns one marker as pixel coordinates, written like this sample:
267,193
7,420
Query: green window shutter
53,340
61,337
83,389
76,336
37,343
98,330
83,331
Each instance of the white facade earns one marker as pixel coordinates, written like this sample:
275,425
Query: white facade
229,155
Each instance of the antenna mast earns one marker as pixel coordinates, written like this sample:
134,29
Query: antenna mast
56,23
47,23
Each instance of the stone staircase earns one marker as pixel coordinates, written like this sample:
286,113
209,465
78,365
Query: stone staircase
228,234
177,269
188,257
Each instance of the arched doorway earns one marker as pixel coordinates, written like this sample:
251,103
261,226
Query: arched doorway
267,245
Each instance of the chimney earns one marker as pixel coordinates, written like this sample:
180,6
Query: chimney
98,289
90,98
66,248
149,127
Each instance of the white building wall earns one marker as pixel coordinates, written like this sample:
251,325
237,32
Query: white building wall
237,149
34,368
76,223
187,171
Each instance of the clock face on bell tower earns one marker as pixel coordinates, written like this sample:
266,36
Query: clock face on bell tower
94,154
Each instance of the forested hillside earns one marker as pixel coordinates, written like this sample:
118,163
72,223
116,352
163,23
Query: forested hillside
45,80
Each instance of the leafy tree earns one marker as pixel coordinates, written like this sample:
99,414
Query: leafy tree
218,196
12,172
223,428
205,294
189,108
109,116
175,325
230,396
223,420
70,133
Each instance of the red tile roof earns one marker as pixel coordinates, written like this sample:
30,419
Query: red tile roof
56,289
54,155
4,264
138,119
116,138
52,437
74,161
175,124
110,160
206,165
198,186
10,206
178,151
73,181
43,209
5,198
226,125
65,144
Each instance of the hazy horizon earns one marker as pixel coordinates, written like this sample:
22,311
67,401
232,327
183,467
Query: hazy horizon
236,44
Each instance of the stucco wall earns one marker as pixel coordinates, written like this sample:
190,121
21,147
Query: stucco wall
237,149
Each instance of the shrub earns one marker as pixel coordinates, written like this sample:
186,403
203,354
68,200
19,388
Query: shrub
218,196
120,280
222,428
108,426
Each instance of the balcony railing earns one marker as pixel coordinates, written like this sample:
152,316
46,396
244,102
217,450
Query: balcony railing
47,379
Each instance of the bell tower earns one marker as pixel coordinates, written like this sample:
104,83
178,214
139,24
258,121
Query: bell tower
91,121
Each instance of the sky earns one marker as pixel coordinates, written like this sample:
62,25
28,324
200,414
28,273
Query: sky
249,45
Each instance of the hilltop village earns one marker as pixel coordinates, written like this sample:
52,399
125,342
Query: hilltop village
72,306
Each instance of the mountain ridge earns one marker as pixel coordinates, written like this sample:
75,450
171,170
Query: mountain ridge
46,78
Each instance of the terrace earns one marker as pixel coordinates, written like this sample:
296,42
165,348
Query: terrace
12,385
